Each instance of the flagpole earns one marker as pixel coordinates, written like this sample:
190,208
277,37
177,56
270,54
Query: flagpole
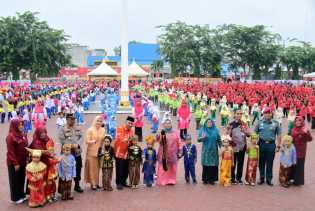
124,91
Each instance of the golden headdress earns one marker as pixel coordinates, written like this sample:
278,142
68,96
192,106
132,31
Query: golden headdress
35,152
150,139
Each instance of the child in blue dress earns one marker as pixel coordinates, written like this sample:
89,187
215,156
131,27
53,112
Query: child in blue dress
149,162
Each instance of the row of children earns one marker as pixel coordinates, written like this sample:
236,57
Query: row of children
288,159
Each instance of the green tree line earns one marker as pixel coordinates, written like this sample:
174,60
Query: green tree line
31,44
200,50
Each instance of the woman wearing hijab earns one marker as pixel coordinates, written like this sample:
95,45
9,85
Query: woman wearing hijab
94,137
183,115
40,139
301,135
138,113
16,160
170,149
210,137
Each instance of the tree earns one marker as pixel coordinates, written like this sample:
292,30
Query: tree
157,65
254,47
28,43
188,47
209,55
175,45
297,57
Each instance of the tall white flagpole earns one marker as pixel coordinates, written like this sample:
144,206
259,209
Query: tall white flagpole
124,91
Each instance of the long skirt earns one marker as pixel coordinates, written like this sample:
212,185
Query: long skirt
210,174
284,175
134,172
50,189
251,170
37,193
225,172
166,177
298,172
107,178
64,188
91,171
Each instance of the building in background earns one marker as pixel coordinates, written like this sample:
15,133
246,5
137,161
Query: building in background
144,54
79,54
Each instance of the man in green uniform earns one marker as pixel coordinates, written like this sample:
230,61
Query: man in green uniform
268,130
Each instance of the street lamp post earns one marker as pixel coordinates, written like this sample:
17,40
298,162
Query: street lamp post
124,90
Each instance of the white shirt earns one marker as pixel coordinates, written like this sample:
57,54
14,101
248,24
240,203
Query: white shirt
61,121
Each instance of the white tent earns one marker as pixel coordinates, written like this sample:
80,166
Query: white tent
135,70
103,70
309,75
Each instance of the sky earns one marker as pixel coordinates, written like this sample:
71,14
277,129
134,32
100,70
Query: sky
97,23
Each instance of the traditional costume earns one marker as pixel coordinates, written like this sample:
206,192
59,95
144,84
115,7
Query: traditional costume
52,172
211,140
35,174
213,109
124,133
227,161
94,138
170,147
107,164
183,115
155,119
224,115
135,161
190,159
39,115
198,115
255,113
138,114
252,161
67,172
287,160
149,163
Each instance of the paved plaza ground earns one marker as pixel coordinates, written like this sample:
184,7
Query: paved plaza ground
180,197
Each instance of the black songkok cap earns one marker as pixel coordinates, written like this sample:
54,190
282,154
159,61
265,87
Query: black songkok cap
131,119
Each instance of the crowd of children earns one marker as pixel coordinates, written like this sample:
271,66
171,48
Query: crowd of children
148,100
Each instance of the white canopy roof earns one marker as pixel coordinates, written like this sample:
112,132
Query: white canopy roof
309,75
135,70
103,70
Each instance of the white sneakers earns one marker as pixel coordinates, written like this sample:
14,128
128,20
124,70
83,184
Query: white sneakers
20,201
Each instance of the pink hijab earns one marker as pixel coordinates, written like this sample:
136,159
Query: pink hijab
184,110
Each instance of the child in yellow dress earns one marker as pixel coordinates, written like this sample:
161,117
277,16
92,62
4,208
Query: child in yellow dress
227,161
